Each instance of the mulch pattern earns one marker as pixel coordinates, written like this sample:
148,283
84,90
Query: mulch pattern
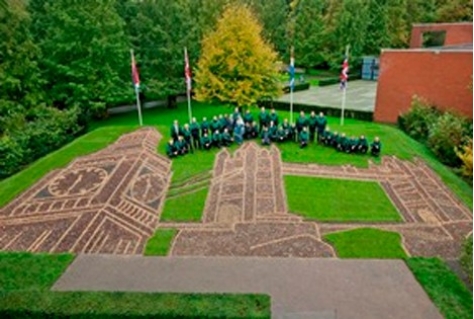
106,202
246,212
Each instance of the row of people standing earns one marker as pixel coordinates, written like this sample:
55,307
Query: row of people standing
225,129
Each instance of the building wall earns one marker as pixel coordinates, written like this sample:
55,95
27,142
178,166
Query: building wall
456,33
442,77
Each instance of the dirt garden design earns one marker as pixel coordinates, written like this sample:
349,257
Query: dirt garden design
111,201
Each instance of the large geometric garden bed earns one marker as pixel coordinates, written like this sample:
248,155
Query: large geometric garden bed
111,201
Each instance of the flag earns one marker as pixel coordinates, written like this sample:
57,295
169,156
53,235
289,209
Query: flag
187,70
292,70
344,73
135,77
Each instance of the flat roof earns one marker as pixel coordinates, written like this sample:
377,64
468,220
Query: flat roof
461,48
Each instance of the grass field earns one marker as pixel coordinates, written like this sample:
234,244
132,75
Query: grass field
366,243
338,200
394,142
185,208
444,288
25,280
159,243
26,271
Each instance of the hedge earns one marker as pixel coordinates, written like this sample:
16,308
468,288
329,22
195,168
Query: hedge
298,87
466,257
328,111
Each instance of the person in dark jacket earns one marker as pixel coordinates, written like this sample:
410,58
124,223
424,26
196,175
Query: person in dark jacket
301,122
321,123
263,118
274,117
171,149
312,121
206,142
265,135
376,147
181,146
304,137
362,145
175,130
216,139
248,117
205,126
226,138
194,127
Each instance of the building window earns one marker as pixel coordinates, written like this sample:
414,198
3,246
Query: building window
433,39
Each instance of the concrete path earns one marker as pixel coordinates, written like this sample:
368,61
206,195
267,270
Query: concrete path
300,288
360,96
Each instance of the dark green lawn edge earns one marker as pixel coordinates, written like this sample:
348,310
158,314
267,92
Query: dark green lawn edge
94,305
444,288
366,243
159,244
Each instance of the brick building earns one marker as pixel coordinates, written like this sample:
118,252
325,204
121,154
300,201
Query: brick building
441,74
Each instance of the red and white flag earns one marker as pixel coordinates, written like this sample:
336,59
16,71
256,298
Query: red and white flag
344,73
135,77
187,70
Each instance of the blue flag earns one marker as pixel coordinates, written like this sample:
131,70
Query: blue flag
292,71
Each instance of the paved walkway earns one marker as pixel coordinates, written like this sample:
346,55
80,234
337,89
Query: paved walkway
300,288
360,96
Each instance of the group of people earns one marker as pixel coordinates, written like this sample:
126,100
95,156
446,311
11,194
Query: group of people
226,129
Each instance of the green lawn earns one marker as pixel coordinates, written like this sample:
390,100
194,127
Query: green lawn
159,243
366,243
26,271
338,200
25,280
185,208
444,288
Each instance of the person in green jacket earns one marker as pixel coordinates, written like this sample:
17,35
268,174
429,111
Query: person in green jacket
215,125
312,125
187,136
253,130
226,138
265,135
376,147
181,146
301,122
194,127
341,142
304,137
216,139
287,129
206,142
326,139
351,145
362,145
248,117
280,135
272,130
274,117
171,149
335,139
321,123
263,118
205,126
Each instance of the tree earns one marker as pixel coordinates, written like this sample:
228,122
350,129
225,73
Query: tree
86,58
454,10
159,34
308,33
236,65
19,74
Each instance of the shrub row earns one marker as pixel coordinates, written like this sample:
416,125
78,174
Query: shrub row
298,87
42,130
442,132
328,111
466,257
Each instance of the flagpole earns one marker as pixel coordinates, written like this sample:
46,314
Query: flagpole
188,87
292,83
343,106
136,85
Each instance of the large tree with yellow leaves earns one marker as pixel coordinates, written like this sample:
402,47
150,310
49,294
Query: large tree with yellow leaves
236,65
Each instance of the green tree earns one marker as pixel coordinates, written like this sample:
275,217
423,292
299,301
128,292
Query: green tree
308,33
161,30
236,65
86,60
19,74
454,10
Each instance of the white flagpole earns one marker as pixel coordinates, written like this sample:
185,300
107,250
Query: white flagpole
343,106
188,86
136,85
